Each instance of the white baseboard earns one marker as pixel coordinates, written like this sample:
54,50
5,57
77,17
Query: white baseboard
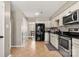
23,45
16,46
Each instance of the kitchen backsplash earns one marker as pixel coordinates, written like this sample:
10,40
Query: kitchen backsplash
65,28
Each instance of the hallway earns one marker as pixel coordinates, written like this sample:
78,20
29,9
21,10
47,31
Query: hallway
34,49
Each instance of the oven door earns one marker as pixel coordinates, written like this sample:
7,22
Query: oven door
65,46
65,43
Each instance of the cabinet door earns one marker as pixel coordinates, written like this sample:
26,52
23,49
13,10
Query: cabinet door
61,22
75,51
75,47
55,40
46,37
51,39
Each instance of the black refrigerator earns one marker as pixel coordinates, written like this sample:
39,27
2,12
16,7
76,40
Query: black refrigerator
40,32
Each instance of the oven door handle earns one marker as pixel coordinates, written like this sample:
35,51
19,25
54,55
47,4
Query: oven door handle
65,39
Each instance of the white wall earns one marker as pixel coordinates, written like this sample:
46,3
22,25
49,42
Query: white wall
17,20
24,30
72,8
19,26
24,26
7,42
32,25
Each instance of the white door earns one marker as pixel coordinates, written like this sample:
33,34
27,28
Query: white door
1,29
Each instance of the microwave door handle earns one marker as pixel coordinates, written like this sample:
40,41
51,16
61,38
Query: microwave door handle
72,17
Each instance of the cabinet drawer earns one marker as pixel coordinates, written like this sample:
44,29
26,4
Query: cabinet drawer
74,40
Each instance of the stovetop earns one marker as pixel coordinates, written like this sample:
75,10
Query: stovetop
70,34
67,34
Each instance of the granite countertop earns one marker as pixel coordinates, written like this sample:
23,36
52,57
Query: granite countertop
68,34
74,35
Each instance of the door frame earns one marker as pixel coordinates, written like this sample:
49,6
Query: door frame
35,30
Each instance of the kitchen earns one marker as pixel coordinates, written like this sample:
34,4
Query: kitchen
60,31
39,31
66,38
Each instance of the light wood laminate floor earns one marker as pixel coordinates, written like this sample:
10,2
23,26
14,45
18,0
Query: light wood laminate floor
34,49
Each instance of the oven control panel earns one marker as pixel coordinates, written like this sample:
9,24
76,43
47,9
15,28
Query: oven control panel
73,29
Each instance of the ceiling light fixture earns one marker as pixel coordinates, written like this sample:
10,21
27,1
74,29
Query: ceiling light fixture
37,13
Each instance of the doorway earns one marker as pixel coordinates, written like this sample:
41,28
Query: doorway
40,32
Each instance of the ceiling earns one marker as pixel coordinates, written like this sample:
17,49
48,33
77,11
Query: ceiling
47,8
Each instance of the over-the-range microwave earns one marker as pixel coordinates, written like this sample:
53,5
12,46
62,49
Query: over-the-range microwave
71,18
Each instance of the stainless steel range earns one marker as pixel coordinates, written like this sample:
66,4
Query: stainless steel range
67,32
65,45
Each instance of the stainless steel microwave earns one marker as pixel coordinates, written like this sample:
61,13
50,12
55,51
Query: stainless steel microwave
71,18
